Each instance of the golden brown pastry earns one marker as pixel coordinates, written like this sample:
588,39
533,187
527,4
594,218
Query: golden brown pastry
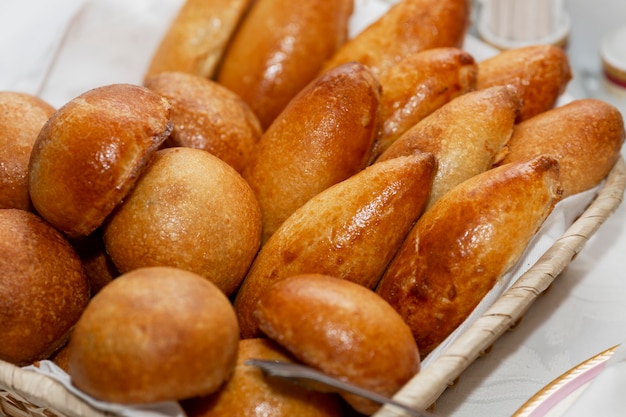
407,27
207,116
154,334
343,329
21,117
43,288
189,210
418,85
585,136
279,48
90,152
351,230
249,391
466,136
539,72
466,241
197,37
324,136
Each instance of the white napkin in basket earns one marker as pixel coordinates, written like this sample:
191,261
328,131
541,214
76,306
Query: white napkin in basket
166,409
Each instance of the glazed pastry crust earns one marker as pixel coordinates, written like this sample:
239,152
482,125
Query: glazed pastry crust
585,136
464,243
418,85
197,37
343,329
91,151
324,136
189,210
43,290
407,27
21,117
206,115
466,136
540,73
280,48
350,230
127,348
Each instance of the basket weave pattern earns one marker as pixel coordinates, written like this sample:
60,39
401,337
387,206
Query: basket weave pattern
25,393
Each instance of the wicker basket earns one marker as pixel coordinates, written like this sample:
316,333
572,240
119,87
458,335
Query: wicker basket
26,393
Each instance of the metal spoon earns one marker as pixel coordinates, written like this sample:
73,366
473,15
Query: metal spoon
321,382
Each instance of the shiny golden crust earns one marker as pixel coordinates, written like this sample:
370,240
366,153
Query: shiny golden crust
248,390
418,85
324,136
43,288
406,28
198,36
466,241
342,329
351,230
89,153
21,117
466,136
280,48
154,334
189,210
585,136
539,72
207,116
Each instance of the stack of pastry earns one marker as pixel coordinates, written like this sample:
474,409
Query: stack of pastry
277,190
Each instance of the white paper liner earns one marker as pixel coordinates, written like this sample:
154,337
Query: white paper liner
165,409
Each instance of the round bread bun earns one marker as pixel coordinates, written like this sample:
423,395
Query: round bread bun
21,118
43,288
343,329
154,334
189,210
208,116
90,152
248,390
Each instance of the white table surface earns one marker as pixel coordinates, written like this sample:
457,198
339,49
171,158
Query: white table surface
583,313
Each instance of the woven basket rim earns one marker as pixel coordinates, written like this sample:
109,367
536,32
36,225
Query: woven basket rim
46,396
423,390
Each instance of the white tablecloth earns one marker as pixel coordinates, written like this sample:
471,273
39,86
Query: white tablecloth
583,313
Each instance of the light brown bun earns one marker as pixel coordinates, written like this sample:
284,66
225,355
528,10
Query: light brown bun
281,47
540,73
418,85
249,391
350,230
89,153
154,334
189,210
466,136
208,116
343,329
197,37
43,291
467,240
585,136
324,136
407,27
21,117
